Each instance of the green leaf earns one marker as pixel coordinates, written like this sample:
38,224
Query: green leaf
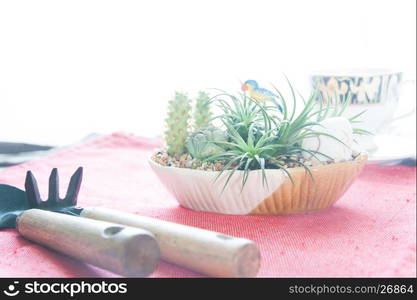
357,116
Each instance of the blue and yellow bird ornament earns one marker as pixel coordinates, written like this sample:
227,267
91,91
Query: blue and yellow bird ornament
258,93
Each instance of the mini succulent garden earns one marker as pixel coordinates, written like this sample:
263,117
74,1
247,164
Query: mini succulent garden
256,129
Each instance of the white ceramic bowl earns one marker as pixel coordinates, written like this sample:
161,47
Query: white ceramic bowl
200,191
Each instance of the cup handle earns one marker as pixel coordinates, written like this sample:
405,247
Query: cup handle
412,111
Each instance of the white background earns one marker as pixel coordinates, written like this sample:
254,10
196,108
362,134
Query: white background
70,68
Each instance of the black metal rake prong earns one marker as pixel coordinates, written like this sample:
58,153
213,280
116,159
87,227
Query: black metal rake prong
74,186
32,191
53,195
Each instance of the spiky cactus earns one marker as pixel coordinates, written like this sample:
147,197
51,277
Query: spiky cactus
177,124
202,113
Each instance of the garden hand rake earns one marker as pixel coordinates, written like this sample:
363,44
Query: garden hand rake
121,249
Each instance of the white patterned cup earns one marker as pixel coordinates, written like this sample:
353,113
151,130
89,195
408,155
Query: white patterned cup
374,91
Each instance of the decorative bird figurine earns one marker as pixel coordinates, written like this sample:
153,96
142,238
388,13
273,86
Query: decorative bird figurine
258,93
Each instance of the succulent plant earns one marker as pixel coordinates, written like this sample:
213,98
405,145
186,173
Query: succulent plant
253,135
177,124
202,113
204,143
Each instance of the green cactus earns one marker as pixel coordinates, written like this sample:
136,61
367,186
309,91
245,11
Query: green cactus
202,113
177,124
202,144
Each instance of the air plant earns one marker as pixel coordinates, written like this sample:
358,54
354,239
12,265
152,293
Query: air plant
177,124
264,136
202,112
242,111
246,155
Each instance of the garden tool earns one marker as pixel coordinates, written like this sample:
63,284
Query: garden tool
124,250
199,250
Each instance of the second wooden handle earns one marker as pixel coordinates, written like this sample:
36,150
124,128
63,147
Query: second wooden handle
123,250
204,251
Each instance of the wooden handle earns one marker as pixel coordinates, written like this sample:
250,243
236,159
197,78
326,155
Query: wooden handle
199,250
127,251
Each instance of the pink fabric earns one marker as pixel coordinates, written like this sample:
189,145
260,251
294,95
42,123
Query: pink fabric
370,232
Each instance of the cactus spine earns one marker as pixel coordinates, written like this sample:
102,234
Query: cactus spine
202,113
177,124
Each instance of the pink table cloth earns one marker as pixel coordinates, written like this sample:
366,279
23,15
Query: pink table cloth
369,232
